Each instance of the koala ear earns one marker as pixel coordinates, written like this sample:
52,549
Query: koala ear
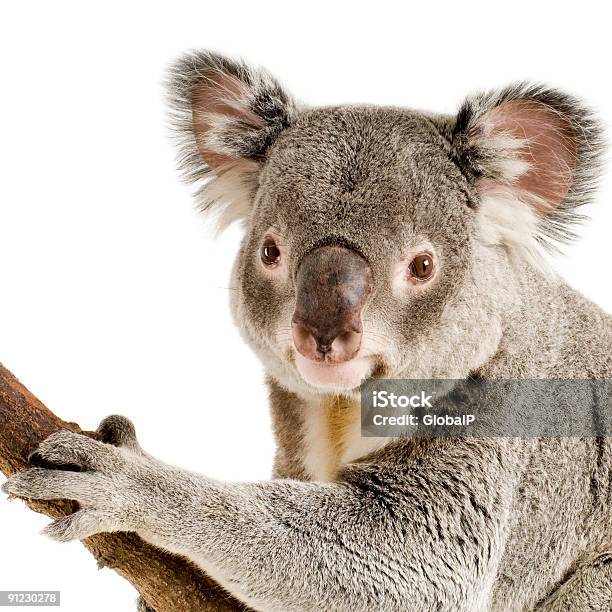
224,115
534,156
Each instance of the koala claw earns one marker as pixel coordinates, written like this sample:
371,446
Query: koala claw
66,448
40,483
98,475
118,431
77,526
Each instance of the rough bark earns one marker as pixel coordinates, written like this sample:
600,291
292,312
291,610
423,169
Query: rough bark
166,583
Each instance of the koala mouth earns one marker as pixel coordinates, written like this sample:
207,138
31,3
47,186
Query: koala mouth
335,376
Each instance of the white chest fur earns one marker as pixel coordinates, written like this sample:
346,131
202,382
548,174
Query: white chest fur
332,436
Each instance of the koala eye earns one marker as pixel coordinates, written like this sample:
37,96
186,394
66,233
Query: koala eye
270,253
422,267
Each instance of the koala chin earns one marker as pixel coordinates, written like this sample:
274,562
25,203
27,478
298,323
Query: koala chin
379,242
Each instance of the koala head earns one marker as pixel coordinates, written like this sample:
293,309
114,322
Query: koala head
379,241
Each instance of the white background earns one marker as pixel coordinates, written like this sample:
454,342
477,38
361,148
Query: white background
113,297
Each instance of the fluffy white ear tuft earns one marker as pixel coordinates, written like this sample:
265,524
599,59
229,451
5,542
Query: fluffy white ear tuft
533,155
225,115
505,221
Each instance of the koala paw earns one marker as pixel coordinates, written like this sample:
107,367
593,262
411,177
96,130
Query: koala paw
101,476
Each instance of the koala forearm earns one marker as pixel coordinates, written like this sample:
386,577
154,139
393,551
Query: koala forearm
348,545
420,528
280,544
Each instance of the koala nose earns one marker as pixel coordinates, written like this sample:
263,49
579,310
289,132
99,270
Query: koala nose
333,284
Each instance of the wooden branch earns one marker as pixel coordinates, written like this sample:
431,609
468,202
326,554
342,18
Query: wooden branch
166,583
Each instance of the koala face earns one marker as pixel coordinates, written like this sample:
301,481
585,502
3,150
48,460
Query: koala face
378,241
367,255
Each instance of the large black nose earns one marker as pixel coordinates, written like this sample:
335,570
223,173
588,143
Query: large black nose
333,285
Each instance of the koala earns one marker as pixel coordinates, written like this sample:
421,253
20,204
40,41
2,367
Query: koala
378,243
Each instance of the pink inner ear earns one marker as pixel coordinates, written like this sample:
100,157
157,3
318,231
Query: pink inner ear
550,151
219,99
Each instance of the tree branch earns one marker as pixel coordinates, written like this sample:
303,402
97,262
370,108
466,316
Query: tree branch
166,583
